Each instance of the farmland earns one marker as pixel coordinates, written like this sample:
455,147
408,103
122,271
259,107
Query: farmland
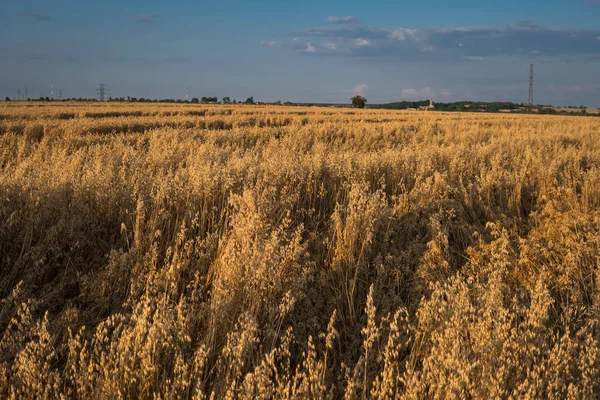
184,251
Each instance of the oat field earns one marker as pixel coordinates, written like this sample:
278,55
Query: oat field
171,251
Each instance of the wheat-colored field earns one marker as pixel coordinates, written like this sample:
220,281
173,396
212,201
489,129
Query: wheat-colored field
177,251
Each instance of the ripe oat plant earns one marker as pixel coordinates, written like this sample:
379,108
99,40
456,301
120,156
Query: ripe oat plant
215,251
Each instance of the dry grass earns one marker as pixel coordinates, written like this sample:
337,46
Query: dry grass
163,251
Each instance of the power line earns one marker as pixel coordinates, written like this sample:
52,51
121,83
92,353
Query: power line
102,91
530,86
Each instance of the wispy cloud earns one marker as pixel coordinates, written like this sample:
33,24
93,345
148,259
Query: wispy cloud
572,88
472,43
344,20
425,93
360,89
293,44
38,17
145,60
345,32
271,43
361,42
146,18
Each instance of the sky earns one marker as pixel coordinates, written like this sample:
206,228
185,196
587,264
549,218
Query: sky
304,51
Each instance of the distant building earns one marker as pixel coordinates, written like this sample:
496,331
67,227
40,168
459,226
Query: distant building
431,106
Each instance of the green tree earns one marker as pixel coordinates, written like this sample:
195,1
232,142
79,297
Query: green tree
359,101
7,98
226,99
250,100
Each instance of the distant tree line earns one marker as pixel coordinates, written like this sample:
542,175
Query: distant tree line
129,99
456,106
489,107
361,102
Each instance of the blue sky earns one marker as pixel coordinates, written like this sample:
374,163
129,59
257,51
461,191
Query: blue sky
310,51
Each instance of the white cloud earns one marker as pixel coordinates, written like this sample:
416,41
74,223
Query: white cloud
445,43
398,35
343,20
330,46
424,93
270,43
361,42
294,44
429,92
446,93
360,89
403,34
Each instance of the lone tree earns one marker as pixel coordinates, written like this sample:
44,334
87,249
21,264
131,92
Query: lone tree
250,100
359,101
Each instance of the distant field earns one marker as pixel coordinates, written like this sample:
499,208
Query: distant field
183,251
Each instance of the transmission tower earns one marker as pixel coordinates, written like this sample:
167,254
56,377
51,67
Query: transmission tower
186,93
60,94
52,91
102,91
530,87
26,95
